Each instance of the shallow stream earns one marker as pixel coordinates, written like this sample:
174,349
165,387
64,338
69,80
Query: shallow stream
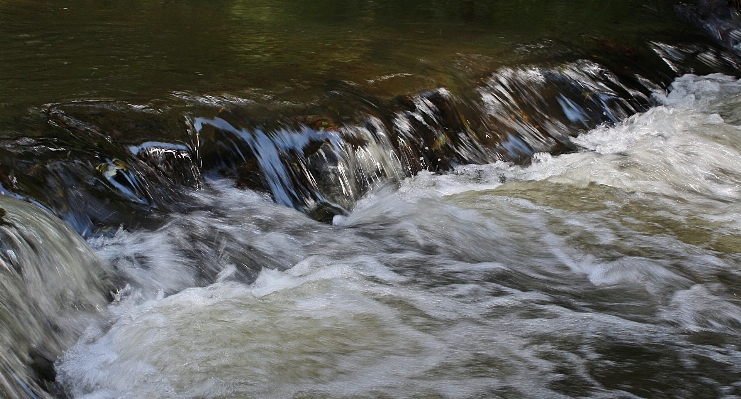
278,199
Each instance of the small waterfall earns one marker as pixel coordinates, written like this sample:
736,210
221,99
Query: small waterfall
321,167
52,285
318,171
610,271
544,107
350,199
318,157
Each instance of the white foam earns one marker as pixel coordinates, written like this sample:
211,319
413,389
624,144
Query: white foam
490,278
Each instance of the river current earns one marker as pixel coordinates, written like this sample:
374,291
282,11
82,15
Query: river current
610,272
559,222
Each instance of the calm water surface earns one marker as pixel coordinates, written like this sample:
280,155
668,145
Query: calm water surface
145,50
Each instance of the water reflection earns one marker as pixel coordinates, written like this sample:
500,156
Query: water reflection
146,49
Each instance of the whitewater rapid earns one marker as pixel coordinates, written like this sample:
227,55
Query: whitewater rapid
613,271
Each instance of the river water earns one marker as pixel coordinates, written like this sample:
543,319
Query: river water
370,199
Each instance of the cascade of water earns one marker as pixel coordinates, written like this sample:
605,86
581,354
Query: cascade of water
319,163
516,199
51,286
606,272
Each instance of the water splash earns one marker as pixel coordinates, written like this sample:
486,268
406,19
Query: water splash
607,271
52,287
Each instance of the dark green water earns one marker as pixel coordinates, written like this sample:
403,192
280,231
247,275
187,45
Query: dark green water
146,50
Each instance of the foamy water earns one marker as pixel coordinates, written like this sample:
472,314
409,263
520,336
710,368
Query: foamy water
609,272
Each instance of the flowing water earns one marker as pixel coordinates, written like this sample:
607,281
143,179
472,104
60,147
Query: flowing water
506,199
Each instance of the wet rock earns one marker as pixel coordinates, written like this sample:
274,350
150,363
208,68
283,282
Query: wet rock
175,162
317,122
248,175
312,163
336,192
89,190
427,131
7,180
99,167
719,19
326,213
93,164
229,155
321,172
